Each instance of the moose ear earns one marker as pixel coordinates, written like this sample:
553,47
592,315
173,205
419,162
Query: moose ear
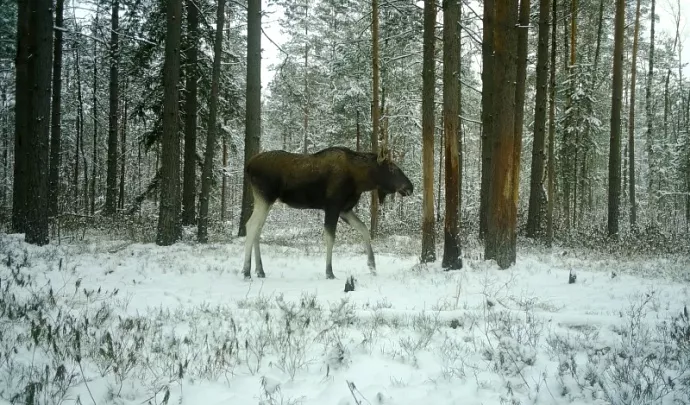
381,156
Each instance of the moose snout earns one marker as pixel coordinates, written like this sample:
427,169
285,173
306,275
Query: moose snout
406,190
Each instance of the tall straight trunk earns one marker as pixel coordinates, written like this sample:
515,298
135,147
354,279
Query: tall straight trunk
22,116
305,116
111,176
428,83
207,172
36,153
502,213
190,116
631,121
651,200
79,129
5,148
441,146
487,117
551,167
55,141
357,131
94,160
452,259
224,184
375,111
521,75
615,139
534,215
123,152
252,135
169,226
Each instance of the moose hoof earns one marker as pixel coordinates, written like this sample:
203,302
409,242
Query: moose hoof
330,276
261,274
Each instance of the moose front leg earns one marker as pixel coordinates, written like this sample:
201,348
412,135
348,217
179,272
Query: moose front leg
351,219
330,223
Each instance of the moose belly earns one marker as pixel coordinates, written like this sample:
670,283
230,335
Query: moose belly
304,197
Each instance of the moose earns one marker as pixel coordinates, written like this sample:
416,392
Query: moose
331,180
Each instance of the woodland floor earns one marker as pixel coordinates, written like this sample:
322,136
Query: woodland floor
180,322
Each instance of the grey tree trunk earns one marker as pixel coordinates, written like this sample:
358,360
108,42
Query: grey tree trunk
428,88
55,141
631,121
375,110
615,139
111,176
207,172
452,259
534,215
36,154
169,225
190,120
252,135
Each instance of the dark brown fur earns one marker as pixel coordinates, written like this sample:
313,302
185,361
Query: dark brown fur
332,180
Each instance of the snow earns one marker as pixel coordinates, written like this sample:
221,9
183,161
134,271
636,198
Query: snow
411,334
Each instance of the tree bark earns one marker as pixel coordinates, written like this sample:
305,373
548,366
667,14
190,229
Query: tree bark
651,164
501,221
123,151
521,75
190,106
631,121
615,138
94,160
452,259
552,129
169,225
534,215
252,135
428,87
114,89
36,152
55,138
375,110
487,116
22,114
202,231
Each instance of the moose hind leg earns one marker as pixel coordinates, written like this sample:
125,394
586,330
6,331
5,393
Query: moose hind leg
330,223
254,226
351,219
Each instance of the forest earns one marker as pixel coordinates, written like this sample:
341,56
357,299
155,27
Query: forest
548,143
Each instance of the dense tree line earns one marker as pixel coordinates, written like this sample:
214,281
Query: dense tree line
519,117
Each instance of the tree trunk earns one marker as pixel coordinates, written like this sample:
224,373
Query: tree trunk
111,176
190,120
123,152
375,111
305,117
615,139
94,160
252,135
501,220
452,259
651,164
428,88
55,144
552,129
79,130
534,215
520,97
224,184
202,232
487,117
34,156
22,125
631,121
169,226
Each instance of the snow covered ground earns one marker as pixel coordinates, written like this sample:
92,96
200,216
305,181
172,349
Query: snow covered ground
110,321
